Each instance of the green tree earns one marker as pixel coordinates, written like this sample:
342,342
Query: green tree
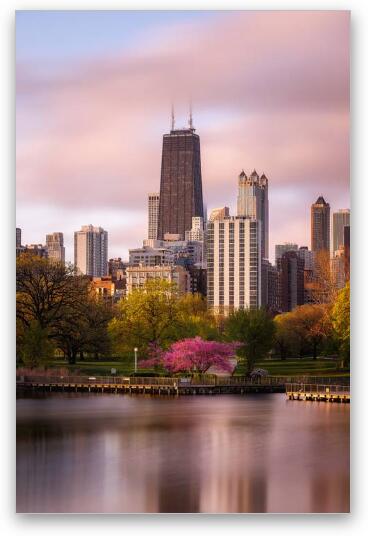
195,319
35,345
340,317
148,315
285,339
254,329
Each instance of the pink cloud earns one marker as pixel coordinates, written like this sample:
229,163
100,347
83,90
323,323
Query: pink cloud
270,90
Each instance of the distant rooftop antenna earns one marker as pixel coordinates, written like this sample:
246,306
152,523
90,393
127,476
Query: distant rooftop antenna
190,115
172,117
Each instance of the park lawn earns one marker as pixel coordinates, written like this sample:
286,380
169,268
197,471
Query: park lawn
96,368
289,367
299,367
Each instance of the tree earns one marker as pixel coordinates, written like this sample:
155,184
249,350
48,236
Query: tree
340,317
45,289
254,329
35,345
195,356
312,325
195,319
323,288
148,315
285,337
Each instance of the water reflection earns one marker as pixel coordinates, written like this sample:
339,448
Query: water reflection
120,453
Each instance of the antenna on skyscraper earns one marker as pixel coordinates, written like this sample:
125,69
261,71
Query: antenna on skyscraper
190,115
172,117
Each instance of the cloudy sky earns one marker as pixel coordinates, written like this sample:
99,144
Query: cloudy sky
270,91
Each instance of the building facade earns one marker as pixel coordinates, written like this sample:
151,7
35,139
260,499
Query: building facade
153,208
252,203
181,183
280,249
55,247
18,237
219,213
91,251
291,280
340,219
234,264
320,225
137,277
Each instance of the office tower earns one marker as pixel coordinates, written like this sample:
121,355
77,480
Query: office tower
153,206
270,287
234,264
181,182
291,280
90,251
320,225
280,249
253,203
219,213
55,247
18,239
308,256
338,268
347,252
340,219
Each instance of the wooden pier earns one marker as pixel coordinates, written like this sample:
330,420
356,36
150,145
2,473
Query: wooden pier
318,392
202,385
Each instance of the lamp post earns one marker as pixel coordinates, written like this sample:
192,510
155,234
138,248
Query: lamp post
135,360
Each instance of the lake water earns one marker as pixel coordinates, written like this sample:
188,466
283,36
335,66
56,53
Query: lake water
122,453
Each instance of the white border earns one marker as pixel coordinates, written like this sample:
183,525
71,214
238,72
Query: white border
180,524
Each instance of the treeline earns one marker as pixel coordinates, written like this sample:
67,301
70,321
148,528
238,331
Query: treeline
57,311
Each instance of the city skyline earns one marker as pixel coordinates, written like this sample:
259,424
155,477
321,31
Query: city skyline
100,176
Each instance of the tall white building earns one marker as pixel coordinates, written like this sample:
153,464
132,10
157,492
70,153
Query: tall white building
197,230
55,247
340,219
253,203
234,263
91,251
153,208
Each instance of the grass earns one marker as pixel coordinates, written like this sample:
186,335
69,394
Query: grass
289,367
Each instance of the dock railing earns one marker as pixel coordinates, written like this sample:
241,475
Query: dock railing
204,380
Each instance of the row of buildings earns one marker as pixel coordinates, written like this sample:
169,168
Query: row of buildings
224,257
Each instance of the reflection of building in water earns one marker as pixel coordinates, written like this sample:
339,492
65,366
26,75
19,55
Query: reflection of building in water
330,495
237,481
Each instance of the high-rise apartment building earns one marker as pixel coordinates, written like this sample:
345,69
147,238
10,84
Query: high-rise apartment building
280,249
320,225
234,264
153,207
253,203
181,182
55,247
340,219
219,213
90,251
308,257
291,280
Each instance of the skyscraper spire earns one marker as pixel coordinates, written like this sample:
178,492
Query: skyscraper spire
172,117
190,115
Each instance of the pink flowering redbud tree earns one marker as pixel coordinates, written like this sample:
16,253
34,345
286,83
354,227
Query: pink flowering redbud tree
197,355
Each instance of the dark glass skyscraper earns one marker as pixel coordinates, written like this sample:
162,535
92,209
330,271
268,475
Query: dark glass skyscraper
320,225
181,182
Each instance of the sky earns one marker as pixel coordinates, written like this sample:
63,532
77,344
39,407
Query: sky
269,90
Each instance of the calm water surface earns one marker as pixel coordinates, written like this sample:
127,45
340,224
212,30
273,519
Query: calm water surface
121,453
